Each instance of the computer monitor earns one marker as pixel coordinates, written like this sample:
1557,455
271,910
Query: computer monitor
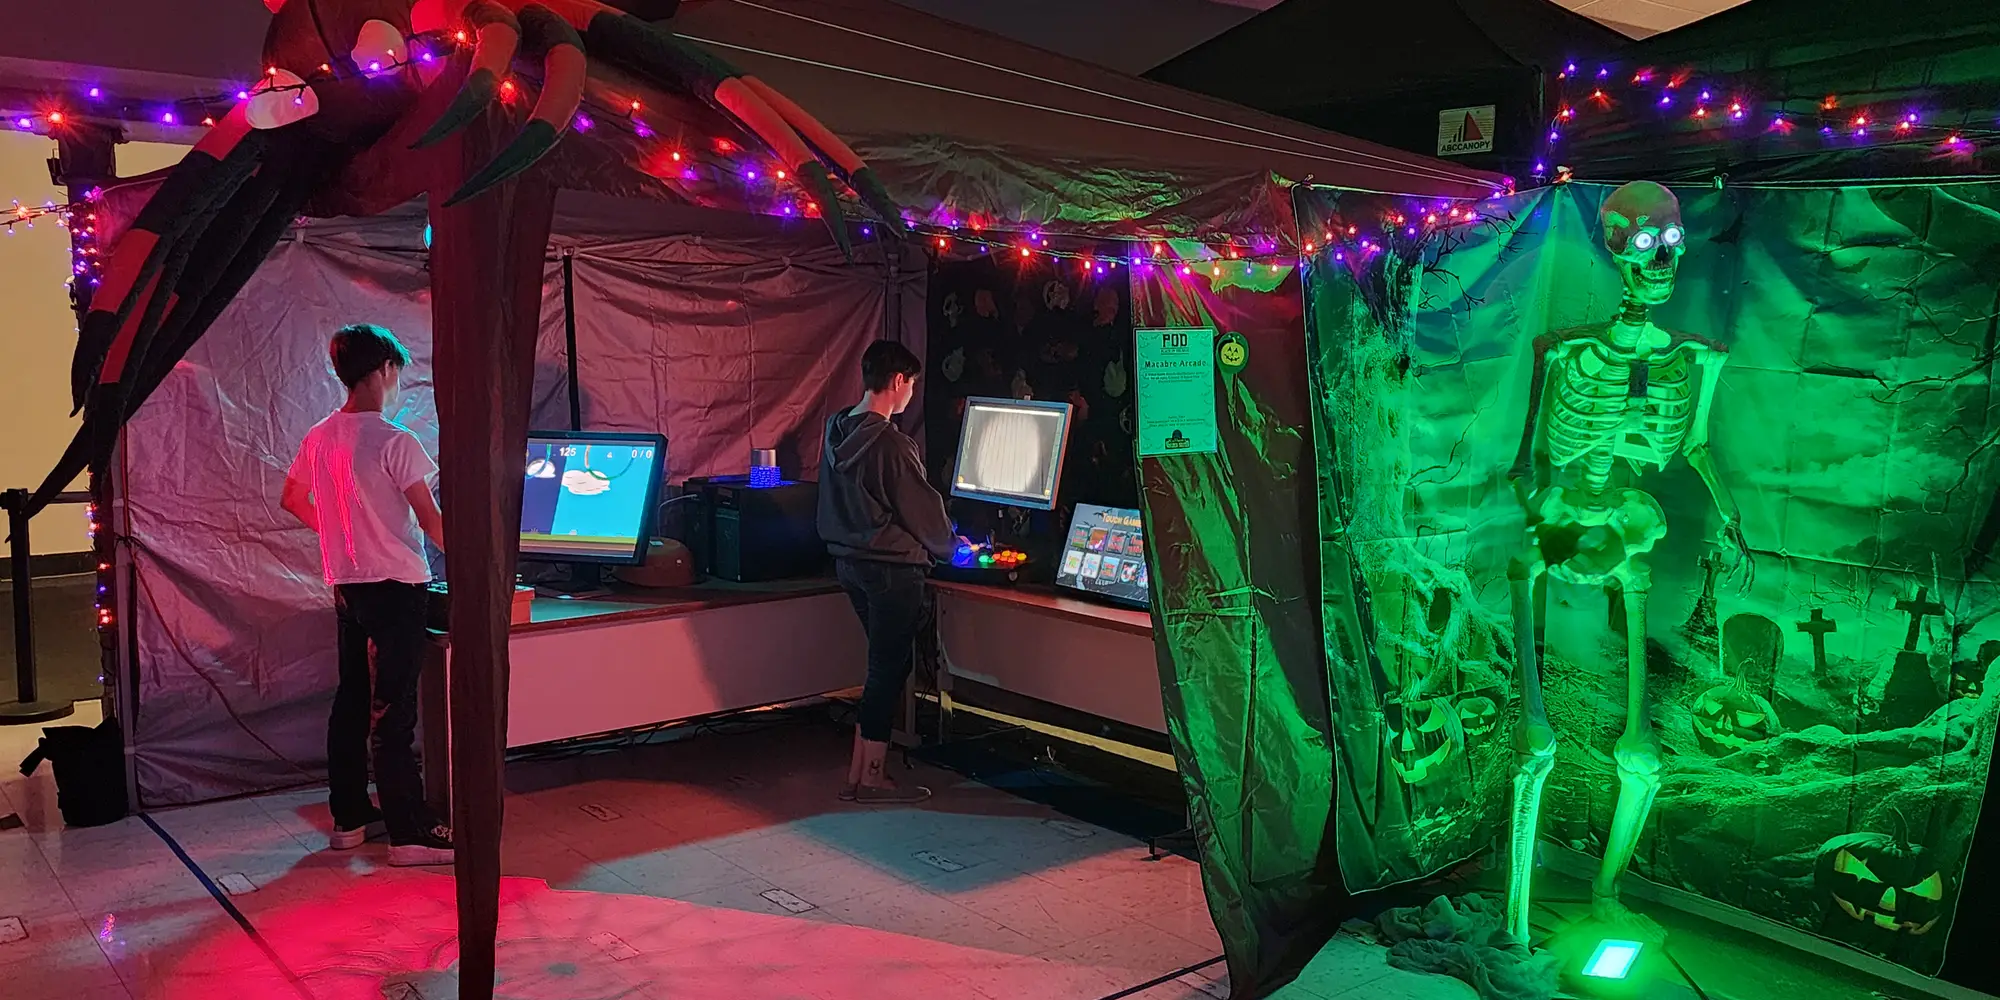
1010,451
1105,555
589,496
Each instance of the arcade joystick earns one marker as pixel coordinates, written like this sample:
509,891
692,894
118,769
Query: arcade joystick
983,562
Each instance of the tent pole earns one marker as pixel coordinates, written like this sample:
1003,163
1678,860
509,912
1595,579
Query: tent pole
569,340
487,269
892,314
124,659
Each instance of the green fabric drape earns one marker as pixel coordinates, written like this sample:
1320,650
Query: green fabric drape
1829,697
1237,632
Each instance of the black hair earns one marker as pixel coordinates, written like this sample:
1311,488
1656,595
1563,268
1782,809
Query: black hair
883,361
361,349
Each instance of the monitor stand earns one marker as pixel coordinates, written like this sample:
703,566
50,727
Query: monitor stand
577,582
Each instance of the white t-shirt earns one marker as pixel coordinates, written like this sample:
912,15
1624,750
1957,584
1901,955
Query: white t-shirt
358,465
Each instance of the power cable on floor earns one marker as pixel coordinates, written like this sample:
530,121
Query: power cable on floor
1167,978
222,899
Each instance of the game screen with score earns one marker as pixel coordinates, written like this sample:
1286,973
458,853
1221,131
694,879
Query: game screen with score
588,499
1105,554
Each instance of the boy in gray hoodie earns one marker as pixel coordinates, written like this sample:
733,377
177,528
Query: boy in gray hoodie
884,525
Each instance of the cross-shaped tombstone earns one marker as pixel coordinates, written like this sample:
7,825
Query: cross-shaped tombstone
1918,609
1818,626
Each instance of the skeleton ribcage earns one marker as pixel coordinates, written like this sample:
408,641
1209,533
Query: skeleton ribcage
1606,406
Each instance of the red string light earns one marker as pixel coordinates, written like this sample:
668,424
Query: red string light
1832,123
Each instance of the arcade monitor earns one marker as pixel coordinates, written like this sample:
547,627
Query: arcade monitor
1010,451
1105,555
588,498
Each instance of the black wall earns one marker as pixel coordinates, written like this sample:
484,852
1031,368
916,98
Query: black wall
1040,329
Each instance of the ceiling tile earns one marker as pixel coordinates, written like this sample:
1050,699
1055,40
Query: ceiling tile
1647,16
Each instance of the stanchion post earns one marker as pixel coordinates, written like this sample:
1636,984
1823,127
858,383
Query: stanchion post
28,709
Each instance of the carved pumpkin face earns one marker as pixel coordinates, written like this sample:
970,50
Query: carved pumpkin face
1478,715
1883,881
1728,718
1968,677
1420,739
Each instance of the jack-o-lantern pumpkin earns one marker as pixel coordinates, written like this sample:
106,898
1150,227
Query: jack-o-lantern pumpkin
1729,717
1883,881
1968,677
1421,738
1478,715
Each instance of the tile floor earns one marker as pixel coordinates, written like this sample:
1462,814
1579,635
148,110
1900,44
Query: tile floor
717,867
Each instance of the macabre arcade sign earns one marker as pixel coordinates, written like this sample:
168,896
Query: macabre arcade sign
1595,583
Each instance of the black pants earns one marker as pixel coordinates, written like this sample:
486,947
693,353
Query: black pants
890,600
391,615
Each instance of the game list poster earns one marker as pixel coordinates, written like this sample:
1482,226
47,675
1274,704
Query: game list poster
1175,378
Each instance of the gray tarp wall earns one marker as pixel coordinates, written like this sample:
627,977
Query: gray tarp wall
746,335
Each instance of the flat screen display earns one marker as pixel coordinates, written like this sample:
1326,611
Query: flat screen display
1010,451
589,497
1105,555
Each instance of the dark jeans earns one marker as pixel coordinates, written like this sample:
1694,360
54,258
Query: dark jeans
890,600
391,615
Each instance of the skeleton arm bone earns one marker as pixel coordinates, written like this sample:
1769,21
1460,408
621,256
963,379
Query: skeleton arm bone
1696,446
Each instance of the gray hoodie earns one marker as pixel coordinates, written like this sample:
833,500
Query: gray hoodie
874,500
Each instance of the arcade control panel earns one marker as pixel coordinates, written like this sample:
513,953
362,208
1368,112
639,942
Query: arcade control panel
982,562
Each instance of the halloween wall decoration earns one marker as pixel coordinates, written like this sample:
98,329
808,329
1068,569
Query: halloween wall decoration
1035,329
1421,740
1968,677
1737,713
1734,586
1880,888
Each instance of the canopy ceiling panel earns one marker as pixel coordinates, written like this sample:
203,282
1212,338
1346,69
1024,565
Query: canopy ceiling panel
871,69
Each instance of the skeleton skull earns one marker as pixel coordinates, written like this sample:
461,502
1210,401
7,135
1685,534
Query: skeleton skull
1642,229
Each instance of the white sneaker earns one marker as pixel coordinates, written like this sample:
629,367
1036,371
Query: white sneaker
347,840
432,848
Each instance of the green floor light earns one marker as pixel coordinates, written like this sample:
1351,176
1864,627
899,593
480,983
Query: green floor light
1612,959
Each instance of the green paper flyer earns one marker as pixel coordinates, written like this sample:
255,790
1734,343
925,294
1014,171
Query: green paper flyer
1176,391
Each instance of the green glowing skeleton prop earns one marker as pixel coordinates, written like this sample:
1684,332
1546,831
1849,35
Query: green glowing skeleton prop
1627,390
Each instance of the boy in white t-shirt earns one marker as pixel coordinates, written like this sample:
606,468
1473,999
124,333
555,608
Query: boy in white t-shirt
362,481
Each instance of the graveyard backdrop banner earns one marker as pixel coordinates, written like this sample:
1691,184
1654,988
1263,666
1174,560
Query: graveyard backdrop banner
1821,700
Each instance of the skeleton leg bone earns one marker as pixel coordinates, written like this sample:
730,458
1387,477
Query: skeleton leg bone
1535,747
1638,757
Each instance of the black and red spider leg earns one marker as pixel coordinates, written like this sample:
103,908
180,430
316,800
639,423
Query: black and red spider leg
197,241
845,159
211,172
497,36
564,70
